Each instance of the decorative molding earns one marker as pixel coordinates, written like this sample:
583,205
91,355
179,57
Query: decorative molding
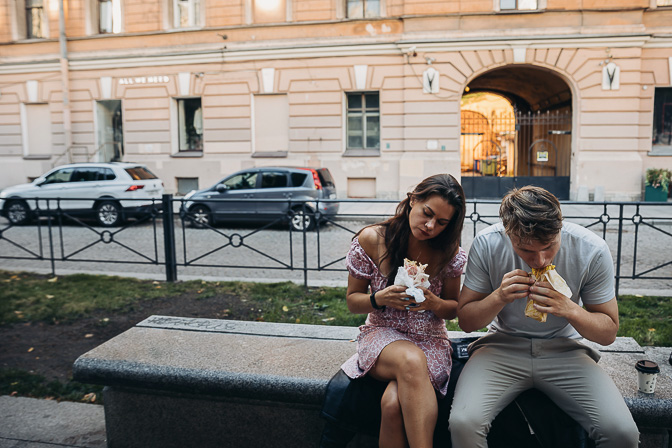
611,77
360,76
184,82
105,87
430,80
519,55
268,79
333,48
32,88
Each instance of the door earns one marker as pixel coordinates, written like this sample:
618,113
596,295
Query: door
109,131
56,185
235,193
275,186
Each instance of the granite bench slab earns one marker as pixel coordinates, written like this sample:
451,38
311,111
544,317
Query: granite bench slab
271,365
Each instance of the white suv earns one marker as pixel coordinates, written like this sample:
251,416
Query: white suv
112,191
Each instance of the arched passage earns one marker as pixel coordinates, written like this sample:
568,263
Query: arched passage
516,130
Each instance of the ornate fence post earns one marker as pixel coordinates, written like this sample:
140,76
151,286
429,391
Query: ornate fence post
169,238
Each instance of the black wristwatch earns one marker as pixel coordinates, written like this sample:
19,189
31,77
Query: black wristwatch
373,302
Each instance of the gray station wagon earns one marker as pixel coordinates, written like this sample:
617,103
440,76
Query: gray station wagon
294,193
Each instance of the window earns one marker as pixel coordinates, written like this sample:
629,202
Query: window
190,124
186,185
271,124
243,181
363,122
186,13
140,173
663,2
270,11
273,179
85,175
35,19
662,119
298,179
59,176
357,9
520,5
109,16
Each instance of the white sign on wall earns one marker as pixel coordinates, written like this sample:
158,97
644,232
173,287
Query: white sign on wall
144,80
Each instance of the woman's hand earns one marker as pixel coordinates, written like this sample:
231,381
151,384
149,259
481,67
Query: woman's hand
394,297
432,301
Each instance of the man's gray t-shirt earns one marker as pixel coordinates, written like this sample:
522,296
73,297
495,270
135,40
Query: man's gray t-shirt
584,261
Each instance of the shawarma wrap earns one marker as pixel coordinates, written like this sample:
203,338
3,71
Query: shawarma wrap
550,275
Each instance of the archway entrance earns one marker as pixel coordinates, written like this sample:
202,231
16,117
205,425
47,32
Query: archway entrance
516,125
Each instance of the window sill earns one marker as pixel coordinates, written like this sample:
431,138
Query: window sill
361,153
660,151
269,155
187,154
38,157
519,11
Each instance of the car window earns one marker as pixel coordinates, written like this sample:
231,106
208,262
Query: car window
273,179
88,174
243,181
106,174
325,177
298,179
140,173
59,176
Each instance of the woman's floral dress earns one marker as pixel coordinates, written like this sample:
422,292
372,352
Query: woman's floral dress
382,327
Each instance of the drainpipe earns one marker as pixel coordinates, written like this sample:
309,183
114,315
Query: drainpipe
65,78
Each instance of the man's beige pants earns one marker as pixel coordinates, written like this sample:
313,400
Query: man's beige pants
500,367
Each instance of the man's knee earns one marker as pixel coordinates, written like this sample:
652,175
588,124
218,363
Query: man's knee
615,433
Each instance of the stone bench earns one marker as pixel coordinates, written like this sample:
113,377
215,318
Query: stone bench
177,382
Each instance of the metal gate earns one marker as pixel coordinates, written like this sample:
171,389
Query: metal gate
506,151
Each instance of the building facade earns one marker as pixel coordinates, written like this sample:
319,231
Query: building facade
371,89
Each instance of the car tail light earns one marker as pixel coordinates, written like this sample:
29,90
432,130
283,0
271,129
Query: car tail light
135,187
316,178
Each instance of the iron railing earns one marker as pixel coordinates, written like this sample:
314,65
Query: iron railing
638,233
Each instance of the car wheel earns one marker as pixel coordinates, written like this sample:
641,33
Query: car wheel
301,219
18,212
108,214
200,216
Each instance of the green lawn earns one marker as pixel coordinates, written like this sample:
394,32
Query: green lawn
33,298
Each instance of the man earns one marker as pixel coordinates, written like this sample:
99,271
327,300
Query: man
519,352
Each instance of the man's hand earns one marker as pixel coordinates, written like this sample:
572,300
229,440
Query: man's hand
515,285
548,300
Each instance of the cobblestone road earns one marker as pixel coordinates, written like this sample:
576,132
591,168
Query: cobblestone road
271,253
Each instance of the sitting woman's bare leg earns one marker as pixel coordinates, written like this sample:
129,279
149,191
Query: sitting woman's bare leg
406,363
392,433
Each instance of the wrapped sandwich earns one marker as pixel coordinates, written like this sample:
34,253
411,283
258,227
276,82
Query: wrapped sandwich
550,275
412,276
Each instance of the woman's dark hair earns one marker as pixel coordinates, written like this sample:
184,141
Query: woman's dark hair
398,230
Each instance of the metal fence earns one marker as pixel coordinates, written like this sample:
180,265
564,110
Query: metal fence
639,235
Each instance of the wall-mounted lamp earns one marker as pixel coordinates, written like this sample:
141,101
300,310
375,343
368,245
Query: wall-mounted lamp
429,60
411,52
467,89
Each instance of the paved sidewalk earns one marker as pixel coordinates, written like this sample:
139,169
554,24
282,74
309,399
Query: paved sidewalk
33,423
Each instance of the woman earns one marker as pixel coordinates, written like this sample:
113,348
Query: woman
398,343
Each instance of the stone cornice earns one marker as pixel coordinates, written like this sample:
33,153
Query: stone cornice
279,50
